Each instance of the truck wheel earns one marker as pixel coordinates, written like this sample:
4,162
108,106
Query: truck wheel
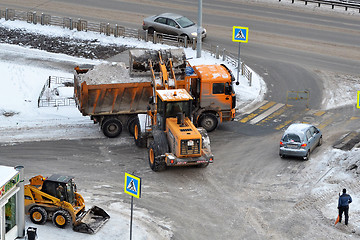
61,218
112,127
156,162
208,121
131,125
140,140
38,215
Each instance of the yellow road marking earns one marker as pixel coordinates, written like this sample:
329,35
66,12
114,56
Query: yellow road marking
291,120
319,113
262,109
275,114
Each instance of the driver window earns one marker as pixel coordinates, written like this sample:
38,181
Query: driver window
172,23
218,88
308,134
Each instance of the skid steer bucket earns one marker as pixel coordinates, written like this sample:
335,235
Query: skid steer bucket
91,221
139,60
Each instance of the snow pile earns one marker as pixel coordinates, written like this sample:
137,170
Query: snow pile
107,73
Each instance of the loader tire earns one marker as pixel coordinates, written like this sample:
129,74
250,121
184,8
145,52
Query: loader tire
156,162
38,215
61,218
208,121
139,137
112,127
131,125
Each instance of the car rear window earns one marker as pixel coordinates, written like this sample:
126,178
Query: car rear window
291,138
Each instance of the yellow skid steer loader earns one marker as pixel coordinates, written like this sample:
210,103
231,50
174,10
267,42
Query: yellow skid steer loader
56,198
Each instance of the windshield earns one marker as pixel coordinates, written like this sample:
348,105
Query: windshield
184,22
173,108
70,192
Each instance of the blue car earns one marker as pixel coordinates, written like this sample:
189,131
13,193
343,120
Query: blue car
299,140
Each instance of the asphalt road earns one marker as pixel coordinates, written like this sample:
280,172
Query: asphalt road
249,192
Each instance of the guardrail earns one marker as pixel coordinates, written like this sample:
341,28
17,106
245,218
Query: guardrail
120,31
344,4
51,84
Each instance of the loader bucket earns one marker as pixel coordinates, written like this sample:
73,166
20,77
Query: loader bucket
91,221
139,60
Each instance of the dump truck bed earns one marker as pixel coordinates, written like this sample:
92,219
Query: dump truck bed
108,89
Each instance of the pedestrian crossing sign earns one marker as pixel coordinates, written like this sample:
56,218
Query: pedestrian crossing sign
132,185
358,99
240,34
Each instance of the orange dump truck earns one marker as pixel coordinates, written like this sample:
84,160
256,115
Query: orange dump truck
211,86
111,97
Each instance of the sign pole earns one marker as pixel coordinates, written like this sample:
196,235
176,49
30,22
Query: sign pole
240,34
132,186
131,218
238,70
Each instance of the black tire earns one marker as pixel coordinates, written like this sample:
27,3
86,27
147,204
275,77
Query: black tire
282,155
307,156
208,121
131,124
38,215
184,35
61,218
320,141
151,30
157,148
156,162
139,137
112,127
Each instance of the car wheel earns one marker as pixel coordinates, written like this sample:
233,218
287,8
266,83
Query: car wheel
320,141
307,156
38,215
151,30
184,35
282,155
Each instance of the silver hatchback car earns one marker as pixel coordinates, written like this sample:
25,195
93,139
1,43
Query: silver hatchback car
172,24
299,140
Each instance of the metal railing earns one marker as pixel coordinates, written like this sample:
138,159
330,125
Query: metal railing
52,83
342,3
120,31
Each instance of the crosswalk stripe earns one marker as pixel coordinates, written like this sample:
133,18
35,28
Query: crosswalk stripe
296,116
261,109
266,113
274,115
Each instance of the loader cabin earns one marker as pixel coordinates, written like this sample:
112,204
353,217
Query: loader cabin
171,103
61,187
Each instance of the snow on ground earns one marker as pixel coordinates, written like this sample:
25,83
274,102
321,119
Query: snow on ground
23,76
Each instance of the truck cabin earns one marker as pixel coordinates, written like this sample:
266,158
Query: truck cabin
61,187
174,103
212,83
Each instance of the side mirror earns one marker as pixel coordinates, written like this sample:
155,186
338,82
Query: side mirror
151,100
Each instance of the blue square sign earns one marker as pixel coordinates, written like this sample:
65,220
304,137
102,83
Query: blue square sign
132,185
240,34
